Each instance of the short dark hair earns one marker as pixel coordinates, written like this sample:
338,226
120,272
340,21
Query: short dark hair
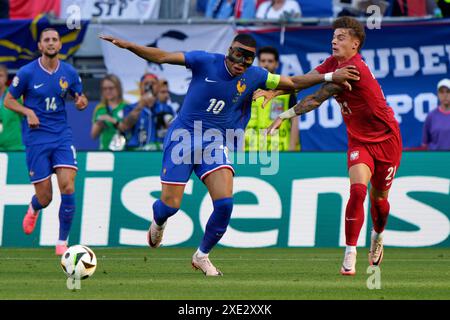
270,50
356,28
49,29
245,39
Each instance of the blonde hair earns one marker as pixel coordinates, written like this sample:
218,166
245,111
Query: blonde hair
117,83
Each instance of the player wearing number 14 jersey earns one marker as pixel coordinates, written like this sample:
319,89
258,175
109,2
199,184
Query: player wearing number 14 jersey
44,84
374,141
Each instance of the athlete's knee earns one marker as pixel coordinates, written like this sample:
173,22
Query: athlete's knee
376,195
44,199
358,192
171,200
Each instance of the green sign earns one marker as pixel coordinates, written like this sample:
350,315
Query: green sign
294,200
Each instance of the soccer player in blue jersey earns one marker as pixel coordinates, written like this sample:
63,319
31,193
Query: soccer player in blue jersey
44,84
220,86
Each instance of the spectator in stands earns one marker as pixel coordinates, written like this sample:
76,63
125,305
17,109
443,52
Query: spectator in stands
223,9
165,111
10,121
436,130
142,119
358,9
108,114
279,9
414,8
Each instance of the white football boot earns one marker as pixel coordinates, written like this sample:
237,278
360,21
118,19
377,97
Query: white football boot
205,265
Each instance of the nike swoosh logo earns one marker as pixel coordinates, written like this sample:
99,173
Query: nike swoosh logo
208,80
37,86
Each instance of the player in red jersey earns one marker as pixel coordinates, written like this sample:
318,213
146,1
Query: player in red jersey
374,141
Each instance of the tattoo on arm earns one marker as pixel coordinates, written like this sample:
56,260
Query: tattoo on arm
314,100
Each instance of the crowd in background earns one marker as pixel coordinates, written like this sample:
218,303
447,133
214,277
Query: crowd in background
239,9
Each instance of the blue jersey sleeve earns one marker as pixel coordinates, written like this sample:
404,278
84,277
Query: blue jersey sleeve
20,83
262,78
194,58
76,86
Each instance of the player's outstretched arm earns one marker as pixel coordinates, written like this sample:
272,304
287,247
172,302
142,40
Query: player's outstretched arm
307,104
341,76
155,55
11,103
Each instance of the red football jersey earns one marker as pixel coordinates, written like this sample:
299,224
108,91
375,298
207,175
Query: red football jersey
364,109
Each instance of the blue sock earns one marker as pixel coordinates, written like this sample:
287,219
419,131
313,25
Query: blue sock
35,204
217,223
162,212
66,213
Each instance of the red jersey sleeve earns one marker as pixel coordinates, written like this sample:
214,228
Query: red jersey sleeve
329,65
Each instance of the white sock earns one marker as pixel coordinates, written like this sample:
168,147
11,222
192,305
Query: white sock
350,249
201,254
61,242
375,235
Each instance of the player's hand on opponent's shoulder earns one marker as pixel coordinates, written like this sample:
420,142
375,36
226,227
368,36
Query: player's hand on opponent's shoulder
81,102
346,74
32,119
116,41
267,94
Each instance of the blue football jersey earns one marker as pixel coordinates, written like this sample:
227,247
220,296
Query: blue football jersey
214,94
44,93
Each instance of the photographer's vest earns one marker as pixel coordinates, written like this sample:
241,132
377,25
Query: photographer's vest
261,118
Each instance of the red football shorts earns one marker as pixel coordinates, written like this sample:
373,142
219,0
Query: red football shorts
383,159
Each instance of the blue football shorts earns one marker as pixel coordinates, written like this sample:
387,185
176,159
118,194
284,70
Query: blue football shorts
43,159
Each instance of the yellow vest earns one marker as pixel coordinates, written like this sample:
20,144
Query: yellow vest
261,118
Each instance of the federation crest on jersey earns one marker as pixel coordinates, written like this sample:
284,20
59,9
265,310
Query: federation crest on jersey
240,87
354,155
64,85
15,81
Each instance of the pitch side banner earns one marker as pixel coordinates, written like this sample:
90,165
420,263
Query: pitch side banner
302,205
408,60
130,68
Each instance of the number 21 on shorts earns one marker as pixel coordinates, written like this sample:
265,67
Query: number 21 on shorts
391,175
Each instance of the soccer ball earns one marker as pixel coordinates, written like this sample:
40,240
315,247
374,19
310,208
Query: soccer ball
79,262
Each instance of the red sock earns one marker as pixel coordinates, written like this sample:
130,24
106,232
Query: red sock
379,210
354,213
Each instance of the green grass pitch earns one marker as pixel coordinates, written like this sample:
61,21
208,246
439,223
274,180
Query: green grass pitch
249,274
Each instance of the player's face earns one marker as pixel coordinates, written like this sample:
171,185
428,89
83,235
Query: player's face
241,52
109,91
268,62
344,45
50,44
3,79
444,96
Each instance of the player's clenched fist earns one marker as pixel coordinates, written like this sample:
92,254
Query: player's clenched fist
81,101
32,119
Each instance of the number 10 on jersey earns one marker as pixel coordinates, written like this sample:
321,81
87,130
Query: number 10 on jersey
215,106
